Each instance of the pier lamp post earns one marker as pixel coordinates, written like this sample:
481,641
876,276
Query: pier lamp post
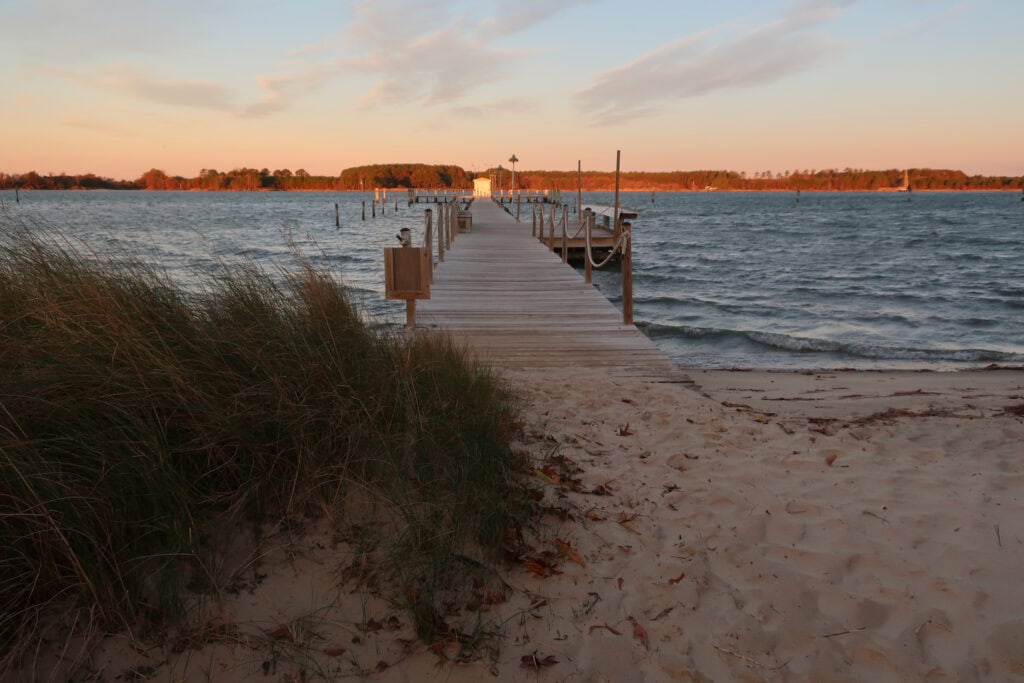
501,188
512,160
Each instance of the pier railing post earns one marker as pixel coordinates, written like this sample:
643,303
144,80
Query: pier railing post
450,228
627,274
588,269
440,240
428,241
565,233
534,232
551,236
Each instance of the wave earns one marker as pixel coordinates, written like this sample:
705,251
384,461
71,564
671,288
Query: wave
774,341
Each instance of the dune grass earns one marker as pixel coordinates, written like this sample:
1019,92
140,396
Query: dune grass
138,422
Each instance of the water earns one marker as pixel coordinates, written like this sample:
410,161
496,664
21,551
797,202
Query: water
865,280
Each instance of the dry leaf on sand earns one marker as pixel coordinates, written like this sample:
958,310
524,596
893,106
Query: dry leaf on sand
569,552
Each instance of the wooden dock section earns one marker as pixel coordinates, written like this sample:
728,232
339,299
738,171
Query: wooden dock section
518,306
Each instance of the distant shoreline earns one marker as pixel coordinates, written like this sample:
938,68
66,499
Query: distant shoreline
401,176
566,190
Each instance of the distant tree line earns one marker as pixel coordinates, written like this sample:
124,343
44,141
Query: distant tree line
810,180
429,176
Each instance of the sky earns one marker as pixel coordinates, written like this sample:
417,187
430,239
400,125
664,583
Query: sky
117,87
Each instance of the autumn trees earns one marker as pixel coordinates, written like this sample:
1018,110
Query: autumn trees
428,176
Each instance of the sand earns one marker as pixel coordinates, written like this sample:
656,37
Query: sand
751,526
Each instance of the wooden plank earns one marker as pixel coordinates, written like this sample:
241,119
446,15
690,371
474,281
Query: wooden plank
513,301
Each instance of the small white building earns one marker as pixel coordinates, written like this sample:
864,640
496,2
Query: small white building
481,187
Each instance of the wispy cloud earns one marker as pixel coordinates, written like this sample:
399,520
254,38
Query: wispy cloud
712,60
434,53
437,53
486,110
178,93
280,91
515,16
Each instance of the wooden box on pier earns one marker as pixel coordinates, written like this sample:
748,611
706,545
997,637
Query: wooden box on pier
406,273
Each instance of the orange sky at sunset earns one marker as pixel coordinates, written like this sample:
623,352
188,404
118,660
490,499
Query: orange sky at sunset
116,87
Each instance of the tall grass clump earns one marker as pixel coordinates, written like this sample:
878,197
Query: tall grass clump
138,423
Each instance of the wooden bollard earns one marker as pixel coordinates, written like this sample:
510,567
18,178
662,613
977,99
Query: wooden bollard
440,237
551,222
588,225
428,241
565,233
627,275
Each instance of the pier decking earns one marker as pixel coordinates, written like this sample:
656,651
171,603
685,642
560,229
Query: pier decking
518,306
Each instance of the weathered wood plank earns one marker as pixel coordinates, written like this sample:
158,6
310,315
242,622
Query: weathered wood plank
517,305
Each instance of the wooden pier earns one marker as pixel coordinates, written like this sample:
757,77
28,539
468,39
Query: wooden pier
417,195
516,303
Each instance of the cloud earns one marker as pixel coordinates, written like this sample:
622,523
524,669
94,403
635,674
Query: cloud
488,110
178,93
281,91
433,53
437,52
705,62
516,16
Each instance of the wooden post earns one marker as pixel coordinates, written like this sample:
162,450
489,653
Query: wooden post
428,241
579,187
17,197
454,210
337,216
565,233
534,232
627,275
440,238
588,269
364,209
447,211
615,216
410,312
551,237
448,226
373,209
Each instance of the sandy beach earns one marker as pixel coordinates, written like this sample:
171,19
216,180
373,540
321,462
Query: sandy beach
747,526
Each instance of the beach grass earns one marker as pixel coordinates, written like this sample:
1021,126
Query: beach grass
140,424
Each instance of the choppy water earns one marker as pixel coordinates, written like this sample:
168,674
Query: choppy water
933,280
